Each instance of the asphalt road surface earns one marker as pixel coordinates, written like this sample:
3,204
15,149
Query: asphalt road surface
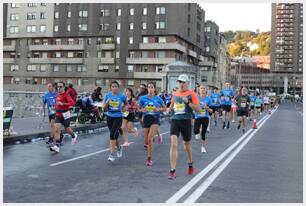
262,166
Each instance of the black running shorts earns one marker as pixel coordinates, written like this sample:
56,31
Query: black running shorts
62,121
226,108
181,126
149,120
242,112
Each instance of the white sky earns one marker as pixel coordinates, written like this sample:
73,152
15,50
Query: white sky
239,16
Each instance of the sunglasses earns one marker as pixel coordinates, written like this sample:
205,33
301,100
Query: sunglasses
180,81
59,86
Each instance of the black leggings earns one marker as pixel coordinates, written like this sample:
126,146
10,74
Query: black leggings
114,126
197,124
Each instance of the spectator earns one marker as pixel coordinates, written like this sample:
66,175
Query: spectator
72,93
97,95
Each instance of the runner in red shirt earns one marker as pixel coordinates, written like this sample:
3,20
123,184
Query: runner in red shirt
62,117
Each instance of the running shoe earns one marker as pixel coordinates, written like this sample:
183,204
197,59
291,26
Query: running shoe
135,132
171,175
215,123
126,144
239,125
74,140
49,142
233,120
145,147
203,150
197,136
111,158
149,163
223,125
228,125
119,152
243,131
190,170
55,148
159,139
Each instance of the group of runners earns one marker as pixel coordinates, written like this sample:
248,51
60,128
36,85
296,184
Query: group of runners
187,109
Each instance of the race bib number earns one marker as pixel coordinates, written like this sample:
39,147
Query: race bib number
202,111
150,108
226,99
252,103
125,114
52,110
113,105
243,104
179,108
215,101
66,115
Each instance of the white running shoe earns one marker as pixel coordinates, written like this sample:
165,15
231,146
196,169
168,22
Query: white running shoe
203,150
233,120
197,136
111,158
74,140
55,148
119,152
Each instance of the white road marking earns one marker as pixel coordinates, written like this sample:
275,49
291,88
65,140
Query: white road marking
207,182
179,194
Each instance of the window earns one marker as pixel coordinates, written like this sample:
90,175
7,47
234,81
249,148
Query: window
70,41
144,25
55,28
118,26
69,14
68,27
43,4
28,80
161,39
132,12
55,68
31,29
31,67
105,12
88,41
198,26
144,68
81,68
56,15
207,29
159,68
160,54
15,5
43,15
82,27
160,25
188,18
14,29
104,27
32,4
70,55
103,68
144,54
42,28
117,68
80,41
160,10
144,11
198,38
68,68
14,67
83,13
130,68
145,39
118,40
207,49
131,54
58,41
131,27
57,54
31,16
57,4
43,68
117,54
14,17
130,82
130,40
118,12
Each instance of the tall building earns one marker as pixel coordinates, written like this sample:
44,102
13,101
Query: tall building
287,46
223,61
92,44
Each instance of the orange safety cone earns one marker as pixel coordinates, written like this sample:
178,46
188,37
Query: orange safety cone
254,126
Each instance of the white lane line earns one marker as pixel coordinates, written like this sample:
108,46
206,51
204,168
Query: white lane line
80,157
179,194
88,155
207,182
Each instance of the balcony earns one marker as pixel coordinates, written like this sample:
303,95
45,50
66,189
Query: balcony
56,60
150,60
147,75
8,60
106,47
107,61
192,53
162,46
9,47
56,47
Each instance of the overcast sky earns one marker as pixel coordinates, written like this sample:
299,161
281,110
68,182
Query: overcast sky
239,16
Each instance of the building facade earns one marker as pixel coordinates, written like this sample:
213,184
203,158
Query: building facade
287,46
92,44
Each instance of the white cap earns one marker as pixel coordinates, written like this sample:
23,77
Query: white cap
183,78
